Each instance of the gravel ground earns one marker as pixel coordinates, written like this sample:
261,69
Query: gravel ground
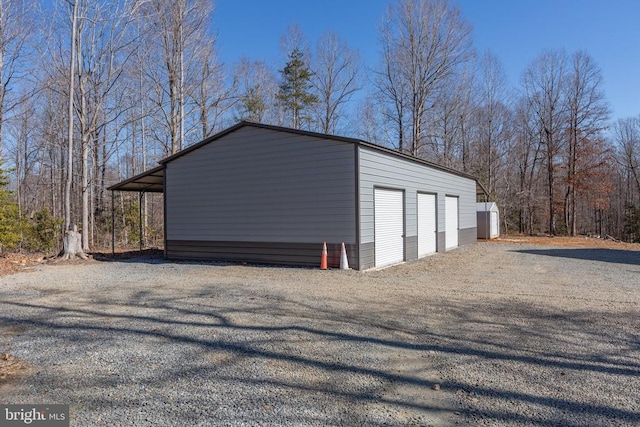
512,335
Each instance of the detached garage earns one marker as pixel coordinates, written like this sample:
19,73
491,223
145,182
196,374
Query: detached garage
267,194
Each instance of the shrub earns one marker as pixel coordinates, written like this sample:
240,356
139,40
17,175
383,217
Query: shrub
42,232
10,230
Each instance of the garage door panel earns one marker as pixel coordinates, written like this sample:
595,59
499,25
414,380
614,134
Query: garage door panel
451,222
427,224
388,227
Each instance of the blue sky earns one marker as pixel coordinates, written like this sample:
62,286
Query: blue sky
516,31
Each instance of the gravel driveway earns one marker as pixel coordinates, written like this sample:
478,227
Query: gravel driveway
513,335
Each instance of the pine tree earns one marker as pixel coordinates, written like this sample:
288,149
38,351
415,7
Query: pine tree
9,215
295,89
252,105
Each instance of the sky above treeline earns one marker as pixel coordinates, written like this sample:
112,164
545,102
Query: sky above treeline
516,31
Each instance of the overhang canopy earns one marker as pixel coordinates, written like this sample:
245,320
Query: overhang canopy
151,181
481,191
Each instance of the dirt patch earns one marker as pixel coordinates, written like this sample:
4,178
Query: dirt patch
567,242
13,262
11,369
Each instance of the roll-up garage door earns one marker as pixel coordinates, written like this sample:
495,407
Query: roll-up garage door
426,224
451,225
389,226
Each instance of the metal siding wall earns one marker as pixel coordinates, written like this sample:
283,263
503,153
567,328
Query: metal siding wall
381,169
260,185
301,254
483,225
411,247
468,236
367,255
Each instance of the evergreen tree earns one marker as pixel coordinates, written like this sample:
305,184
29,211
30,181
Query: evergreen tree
10,234
295,89
252,105
41,232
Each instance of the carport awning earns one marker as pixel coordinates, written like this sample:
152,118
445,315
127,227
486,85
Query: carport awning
480,190
151,181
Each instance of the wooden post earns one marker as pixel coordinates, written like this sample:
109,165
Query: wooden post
113,224
140,220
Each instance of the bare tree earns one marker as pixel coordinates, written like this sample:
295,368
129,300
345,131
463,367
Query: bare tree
424,42
294,39
626,136
392,91
588,114
102,53
15,28
493,119
335,79
173,33
209,94
367,121
74,8
448,121
524,163
256,91
544,84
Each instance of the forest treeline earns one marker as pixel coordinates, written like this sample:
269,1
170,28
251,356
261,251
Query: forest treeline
94,91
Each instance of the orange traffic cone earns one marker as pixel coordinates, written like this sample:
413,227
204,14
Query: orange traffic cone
344,262
323,260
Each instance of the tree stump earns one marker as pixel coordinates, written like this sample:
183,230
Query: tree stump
72,244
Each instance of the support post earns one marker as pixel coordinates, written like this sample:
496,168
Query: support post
113,224
140,220
487,219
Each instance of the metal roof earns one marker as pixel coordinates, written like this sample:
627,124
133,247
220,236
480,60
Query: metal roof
151,181
316,135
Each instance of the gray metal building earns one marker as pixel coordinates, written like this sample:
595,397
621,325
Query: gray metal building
267,194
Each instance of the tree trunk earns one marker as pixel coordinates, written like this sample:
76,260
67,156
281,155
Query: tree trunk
72,72
72,244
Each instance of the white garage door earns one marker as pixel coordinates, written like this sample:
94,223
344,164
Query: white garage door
495,227
426,224
389,227
451,225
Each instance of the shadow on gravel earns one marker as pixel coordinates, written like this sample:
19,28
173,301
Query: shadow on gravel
617,256
546,347
146,256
